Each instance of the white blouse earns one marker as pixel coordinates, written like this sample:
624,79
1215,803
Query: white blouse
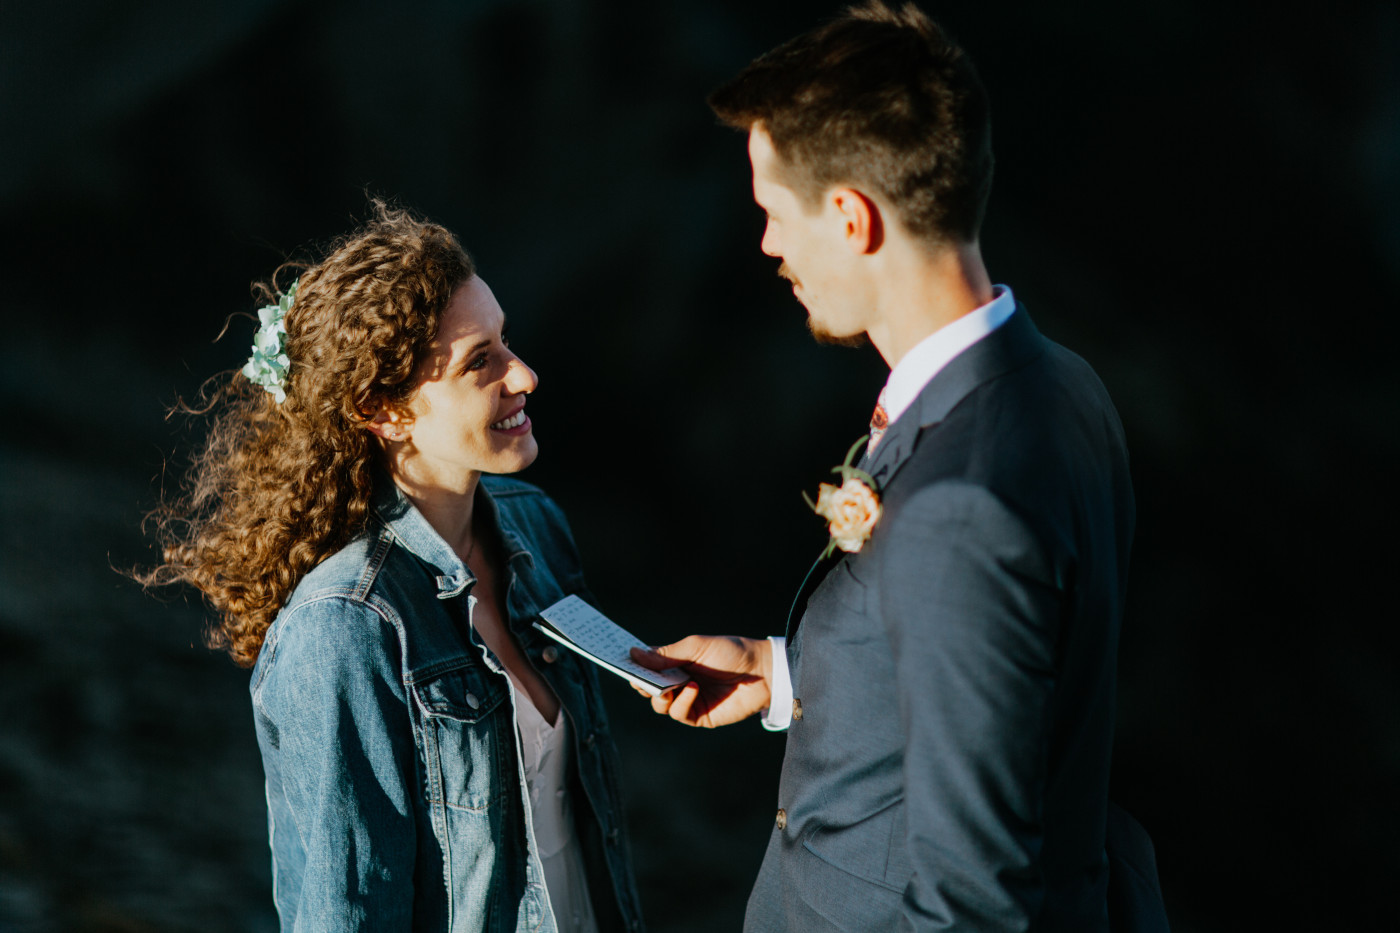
544,753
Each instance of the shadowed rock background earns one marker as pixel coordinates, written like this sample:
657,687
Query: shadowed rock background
1202,200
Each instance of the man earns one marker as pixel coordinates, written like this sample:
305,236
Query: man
952,673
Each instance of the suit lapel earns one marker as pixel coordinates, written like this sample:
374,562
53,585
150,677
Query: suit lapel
1009,347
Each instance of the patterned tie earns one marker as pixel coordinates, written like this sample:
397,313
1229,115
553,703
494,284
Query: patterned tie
878,422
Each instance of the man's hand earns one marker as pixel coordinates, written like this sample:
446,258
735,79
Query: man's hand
730,678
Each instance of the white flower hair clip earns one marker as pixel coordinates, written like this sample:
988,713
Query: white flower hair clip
269,363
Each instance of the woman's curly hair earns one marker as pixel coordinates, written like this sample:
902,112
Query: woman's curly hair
278,488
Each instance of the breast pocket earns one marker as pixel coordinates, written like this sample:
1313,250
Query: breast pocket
840,597
463,712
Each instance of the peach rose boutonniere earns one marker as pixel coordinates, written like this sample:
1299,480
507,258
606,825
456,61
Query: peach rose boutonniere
851,509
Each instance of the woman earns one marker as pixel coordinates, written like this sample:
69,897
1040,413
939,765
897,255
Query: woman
432,761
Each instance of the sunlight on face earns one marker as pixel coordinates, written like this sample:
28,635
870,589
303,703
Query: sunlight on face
807,243
468,415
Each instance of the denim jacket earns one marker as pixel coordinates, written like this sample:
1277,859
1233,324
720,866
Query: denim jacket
396,799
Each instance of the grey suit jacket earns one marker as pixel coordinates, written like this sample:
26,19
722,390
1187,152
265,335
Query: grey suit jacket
956,676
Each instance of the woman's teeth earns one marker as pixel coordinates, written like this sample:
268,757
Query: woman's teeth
514,421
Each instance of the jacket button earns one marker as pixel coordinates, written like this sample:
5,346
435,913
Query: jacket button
796,708
781,820
472,701
550,654
613,836
591,741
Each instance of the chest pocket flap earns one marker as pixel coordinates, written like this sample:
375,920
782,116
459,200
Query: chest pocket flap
466,723
467,694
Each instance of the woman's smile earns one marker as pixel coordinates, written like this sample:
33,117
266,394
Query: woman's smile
514,424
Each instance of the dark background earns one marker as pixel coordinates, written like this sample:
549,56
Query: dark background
1201,199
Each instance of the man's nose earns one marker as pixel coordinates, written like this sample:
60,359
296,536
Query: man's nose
770,244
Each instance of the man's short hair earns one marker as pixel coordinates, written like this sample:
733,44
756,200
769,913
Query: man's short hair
881,101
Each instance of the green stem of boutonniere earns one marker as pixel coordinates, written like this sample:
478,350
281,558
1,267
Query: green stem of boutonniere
851,454
847,471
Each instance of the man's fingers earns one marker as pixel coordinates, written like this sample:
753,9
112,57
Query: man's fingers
661,703
683,703
679,653
651,659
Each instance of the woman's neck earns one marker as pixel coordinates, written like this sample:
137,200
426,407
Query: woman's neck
448,510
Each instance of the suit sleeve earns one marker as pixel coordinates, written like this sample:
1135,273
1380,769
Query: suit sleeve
346,759
972,612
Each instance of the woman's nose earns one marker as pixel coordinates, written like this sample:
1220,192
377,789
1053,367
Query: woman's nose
521,379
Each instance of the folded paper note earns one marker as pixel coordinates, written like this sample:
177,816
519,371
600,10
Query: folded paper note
576,625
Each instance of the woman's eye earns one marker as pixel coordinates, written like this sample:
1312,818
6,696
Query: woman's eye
479,362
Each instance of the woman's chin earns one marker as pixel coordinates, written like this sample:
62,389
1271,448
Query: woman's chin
521,454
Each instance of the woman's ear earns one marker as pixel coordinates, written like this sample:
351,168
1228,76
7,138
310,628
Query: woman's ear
389,424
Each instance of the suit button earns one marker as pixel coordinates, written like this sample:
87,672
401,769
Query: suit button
781,820
796,708
472,701
550,654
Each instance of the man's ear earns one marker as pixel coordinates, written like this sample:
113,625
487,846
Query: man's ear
390,424
863,224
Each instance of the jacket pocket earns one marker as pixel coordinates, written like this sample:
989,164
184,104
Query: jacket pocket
841,876
462,712
873,850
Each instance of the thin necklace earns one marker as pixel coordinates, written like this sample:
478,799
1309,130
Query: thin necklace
472,549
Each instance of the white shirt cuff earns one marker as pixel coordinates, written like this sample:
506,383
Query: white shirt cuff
778,715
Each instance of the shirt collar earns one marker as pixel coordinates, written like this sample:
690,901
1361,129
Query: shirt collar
408,525
938,349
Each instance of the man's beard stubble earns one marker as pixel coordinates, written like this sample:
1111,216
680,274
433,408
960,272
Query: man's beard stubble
822,335
819,333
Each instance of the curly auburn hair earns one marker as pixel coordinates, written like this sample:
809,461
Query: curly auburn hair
278,488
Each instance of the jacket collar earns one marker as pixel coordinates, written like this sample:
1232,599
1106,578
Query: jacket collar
402,519
1009,347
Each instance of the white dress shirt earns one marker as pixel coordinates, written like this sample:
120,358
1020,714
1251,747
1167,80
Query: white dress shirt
906,381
